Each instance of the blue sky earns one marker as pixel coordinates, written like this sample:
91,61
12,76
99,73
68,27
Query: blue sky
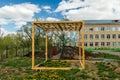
15,13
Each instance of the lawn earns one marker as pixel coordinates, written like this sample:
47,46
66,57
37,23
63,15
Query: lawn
19,68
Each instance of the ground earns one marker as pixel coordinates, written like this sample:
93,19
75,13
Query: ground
108,52
19,68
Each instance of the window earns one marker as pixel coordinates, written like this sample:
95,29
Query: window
118,43
96,29
102,36
85,36
114,36
102,28
102,43
108,28
119,36
96,36
113,28
96,43
91,29
118,28
91,43
108,43
91,36
85,29
114,44
108,36
85,43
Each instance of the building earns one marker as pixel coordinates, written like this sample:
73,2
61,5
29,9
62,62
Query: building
102,34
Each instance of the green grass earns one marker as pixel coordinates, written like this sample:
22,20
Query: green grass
106,72
57,63
20,69
107,56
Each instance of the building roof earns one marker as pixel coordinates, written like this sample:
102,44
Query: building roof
99,22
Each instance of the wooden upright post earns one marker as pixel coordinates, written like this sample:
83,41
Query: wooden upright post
33,57
46,43
83,55
70,38
79,48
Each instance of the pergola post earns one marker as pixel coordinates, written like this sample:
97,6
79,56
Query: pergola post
46,43
78,43
70,37
83,54
33,48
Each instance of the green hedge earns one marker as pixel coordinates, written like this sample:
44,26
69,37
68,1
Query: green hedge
102,48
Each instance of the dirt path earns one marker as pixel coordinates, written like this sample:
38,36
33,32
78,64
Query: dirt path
107,52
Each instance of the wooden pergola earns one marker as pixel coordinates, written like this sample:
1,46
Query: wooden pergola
59,26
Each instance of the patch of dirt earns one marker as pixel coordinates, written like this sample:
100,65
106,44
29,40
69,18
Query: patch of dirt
117,70
7,70
75,64
112,65
92,69
56,56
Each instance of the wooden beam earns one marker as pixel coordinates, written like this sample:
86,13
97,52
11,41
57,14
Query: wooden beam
78,27
68,27
58,22
46,44
70,37
57,27
74,27
33,51
71,27
60,27
46,26
65,26
54,68
80,56
40,26
83,55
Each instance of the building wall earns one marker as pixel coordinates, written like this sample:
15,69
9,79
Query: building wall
102,29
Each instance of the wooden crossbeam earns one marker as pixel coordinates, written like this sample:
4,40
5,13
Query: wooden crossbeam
40,26
53,68
60,27
57,22
57,28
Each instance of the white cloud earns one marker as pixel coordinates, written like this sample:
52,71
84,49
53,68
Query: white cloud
89,9
69,4
52,19
46,7
20,24
48,11
5,32
18,12
3,21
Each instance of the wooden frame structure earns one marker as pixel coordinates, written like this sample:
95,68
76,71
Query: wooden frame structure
59,26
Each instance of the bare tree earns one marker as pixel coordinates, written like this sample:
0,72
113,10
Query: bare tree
1,33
